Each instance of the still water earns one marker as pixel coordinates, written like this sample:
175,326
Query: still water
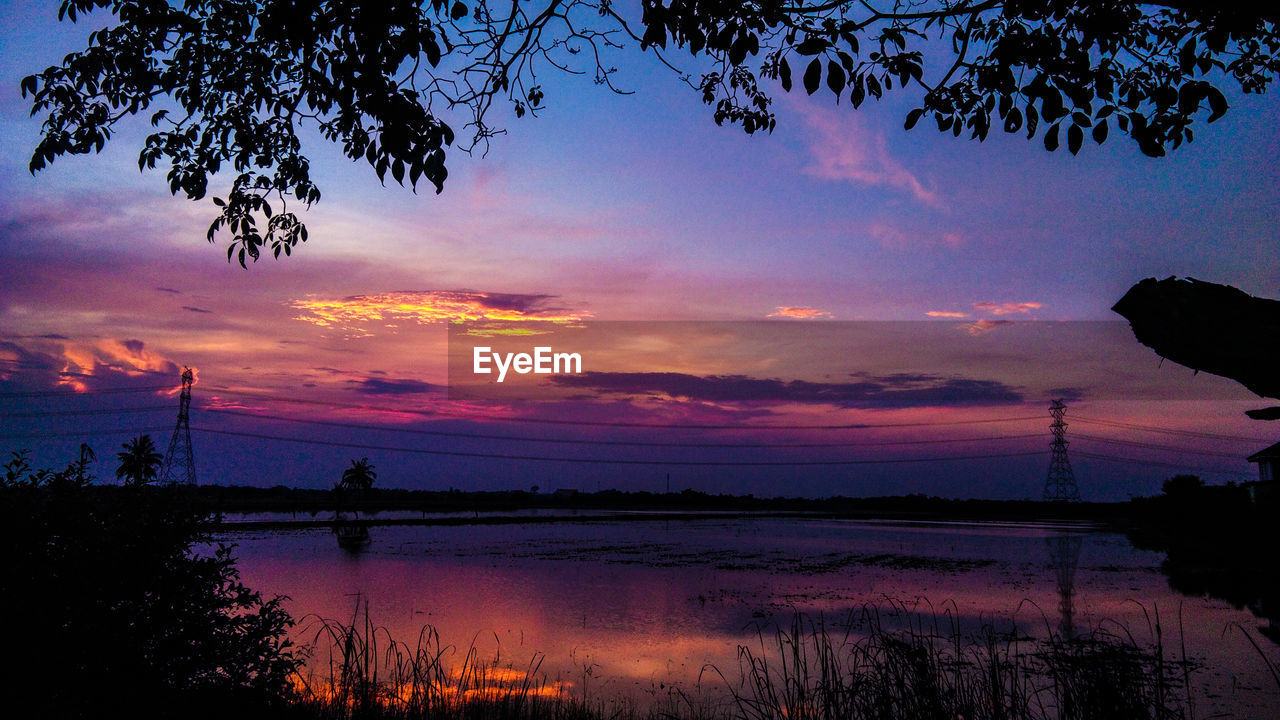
631,604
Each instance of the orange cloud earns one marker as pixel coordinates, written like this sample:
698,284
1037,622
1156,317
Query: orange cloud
1006,308
86,366
982,327
128,357
800,313
946,314
433,306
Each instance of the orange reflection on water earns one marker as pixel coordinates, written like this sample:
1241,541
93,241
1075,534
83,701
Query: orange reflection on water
360,674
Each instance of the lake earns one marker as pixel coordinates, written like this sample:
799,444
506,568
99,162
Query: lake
631,605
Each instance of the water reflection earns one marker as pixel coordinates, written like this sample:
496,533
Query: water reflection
645,604
352,534
1064,557
352,537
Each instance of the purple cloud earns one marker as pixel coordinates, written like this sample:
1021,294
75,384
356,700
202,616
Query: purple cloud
867,392
384,386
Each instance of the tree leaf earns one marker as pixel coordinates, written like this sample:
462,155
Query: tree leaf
738,50
1100,131
1075,137
873,86
812,45
1051,107
1187,56
913,117
835,78
654,34
812,76
1217,103
1013,121
858,93
1051,138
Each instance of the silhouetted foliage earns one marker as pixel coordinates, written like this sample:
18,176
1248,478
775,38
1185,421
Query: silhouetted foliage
358,477
1219,541
1182,485
139,462
229,83
112,611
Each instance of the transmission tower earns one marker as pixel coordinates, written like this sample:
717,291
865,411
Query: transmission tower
180,462
1061,483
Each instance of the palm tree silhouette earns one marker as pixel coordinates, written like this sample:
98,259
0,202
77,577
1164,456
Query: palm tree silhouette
359,476
140,461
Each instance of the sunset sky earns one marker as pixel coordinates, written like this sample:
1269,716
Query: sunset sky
613,208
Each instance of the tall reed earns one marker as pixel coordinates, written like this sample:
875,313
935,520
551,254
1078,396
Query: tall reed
884,662
922,665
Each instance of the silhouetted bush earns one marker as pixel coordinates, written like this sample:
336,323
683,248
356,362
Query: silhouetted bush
114,609
1182,485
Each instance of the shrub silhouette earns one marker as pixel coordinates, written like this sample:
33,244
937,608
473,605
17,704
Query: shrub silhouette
113,610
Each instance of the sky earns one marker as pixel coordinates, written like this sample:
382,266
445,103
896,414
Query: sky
770,278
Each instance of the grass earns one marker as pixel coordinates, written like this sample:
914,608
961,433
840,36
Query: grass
882,663
358,670
923,666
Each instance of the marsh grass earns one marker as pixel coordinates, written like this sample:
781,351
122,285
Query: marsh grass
358,670
884,662
890,661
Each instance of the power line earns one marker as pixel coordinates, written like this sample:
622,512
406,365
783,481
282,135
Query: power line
622,443
608,443
1156,463
1153,446
601,423
77,393
1168,431
626,443
603,443
131,431
90,433
98,411
611,461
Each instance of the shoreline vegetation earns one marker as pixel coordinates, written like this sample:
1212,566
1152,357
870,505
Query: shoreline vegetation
884,662
115,611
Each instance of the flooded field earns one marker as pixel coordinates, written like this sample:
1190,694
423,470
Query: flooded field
631,609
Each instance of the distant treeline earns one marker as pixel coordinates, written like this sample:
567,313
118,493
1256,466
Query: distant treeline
241,499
